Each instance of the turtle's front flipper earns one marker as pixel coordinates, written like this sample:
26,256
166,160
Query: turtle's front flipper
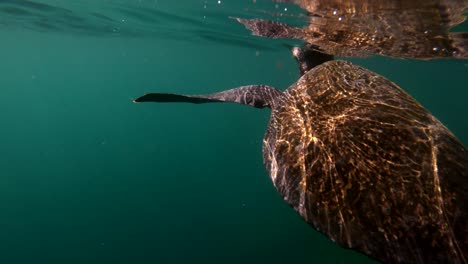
271,29
258,96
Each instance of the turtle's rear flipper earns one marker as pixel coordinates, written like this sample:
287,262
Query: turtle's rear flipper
271,29
258,96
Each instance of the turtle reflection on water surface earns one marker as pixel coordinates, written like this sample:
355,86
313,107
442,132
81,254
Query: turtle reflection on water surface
361,161
418,29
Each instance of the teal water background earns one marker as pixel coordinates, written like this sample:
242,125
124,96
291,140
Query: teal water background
87,176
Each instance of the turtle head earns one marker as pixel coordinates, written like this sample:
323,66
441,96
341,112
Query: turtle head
309,57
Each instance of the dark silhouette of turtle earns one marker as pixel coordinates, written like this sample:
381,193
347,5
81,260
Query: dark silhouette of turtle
357,28
361,161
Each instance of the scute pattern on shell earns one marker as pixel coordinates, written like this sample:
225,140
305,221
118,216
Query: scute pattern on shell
367,165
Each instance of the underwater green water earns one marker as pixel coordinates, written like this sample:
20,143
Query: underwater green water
87,176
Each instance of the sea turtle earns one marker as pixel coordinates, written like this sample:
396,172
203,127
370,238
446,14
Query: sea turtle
361,161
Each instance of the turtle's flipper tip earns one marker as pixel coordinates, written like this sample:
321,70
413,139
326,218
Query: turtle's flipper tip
148,97
159,98
135,101
235,18
247,23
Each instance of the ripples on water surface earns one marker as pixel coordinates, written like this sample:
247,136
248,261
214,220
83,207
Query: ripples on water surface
86,176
